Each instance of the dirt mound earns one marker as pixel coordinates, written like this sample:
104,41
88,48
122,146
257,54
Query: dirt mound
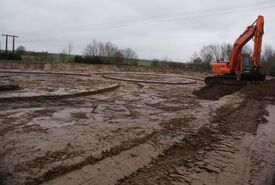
216,92
264,90
260,91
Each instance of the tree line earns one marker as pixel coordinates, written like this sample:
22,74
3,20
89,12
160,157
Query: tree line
98,52
221,52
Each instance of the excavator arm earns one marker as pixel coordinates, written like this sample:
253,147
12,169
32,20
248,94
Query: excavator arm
258,36
235,59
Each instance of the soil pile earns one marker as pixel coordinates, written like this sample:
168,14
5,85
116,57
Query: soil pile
260,91
216,92
264,90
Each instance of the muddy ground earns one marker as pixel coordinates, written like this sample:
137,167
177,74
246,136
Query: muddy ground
138,133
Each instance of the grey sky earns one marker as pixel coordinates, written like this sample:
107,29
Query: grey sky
154,29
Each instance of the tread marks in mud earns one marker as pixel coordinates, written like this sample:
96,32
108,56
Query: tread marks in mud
170,127
163,169
229,119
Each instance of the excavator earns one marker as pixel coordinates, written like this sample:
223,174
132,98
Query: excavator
241,68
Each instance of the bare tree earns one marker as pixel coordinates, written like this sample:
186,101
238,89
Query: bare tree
129,55
195,59
96,48
216,52
247,50
92,49
226,51
268,52
207,54
267,59
69,48
109,52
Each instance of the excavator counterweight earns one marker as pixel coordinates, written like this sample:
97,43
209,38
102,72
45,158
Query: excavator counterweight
241,67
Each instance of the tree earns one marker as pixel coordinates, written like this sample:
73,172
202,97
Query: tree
69,48
195,59
109,52
268,60
247,50
21,50
226,50
213,52
217,52
92,49
129,56
271,70
267,53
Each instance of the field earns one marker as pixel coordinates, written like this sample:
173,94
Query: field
83,124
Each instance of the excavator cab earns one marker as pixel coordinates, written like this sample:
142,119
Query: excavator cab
246,63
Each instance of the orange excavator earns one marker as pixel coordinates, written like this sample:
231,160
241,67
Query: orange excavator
241,68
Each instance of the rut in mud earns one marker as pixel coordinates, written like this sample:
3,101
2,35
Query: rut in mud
192,149
230,121
171,127
147,133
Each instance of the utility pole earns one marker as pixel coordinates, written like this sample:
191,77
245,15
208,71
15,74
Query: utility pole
6,43
13,41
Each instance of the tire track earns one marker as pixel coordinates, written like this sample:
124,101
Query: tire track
194,147
171,127
58,97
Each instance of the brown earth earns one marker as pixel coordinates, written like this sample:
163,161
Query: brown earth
216,92
139,133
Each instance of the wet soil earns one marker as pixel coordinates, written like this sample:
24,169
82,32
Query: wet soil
139,134
192,149
262,91
9,87
258,91
50,138
216,92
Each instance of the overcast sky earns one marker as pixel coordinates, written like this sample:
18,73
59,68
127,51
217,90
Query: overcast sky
153,28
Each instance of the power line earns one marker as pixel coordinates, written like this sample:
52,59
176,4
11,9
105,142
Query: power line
237,8
226,8
181,17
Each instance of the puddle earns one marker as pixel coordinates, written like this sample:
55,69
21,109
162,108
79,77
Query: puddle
60,118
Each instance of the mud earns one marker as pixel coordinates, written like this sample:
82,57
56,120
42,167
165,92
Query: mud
152,78
216,92
261,91
185,162
258,91
7,84
138,133
9,87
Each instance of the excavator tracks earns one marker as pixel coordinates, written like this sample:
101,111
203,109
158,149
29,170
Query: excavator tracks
231,79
